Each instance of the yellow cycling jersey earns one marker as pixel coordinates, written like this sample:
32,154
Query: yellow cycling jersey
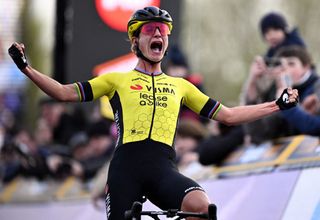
147,106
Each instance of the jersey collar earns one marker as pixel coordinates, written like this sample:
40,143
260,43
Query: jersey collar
147,73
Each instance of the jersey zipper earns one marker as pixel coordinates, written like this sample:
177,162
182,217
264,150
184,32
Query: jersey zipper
154,105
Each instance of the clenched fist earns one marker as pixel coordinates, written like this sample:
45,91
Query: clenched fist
16,51
288,99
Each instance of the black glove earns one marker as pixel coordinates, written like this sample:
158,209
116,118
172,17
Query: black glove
18,57
283,101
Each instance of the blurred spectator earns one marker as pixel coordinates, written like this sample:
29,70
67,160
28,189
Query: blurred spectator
186,140
299,71
177,66
61,166
189,135
261,84
21,156
43,135
89,152
7,119
100,148
220,145
275,31
12,85
311,104
62,121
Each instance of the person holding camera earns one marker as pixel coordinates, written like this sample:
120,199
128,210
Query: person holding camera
261,83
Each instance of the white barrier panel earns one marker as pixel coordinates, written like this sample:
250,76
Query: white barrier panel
262,197
305,200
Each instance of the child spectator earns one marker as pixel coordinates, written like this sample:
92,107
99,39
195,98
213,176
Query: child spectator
261,84
299,70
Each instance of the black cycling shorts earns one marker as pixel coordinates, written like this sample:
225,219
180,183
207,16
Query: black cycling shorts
145,168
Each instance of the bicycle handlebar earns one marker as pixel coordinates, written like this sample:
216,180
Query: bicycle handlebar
136,212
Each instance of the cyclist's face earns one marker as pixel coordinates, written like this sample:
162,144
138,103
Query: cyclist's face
153,40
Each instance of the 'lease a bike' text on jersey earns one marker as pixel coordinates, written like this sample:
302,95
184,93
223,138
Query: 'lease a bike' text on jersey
147,106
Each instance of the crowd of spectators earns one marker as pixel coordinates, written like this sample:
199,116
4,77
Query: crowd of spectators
63,143
286,63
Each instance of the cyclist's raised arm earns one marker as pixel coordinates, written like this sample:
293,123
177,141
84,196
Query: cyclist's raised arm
247,113
205,106
50,86
242,114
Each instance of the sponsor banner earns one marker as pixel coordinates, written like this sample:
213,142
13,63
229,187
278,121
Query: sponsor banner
116,13
305,200
120,64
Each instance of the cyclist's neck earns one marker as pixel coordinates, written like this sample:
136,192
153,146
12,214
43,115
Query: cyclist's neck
148,68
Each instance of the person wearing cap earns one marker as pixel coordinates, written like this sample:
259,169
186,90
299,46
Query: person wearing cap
260,85
146,104
276,33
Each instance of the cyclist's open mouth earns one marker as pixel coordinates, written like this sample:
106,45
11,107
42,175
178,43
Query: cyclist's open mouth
156,46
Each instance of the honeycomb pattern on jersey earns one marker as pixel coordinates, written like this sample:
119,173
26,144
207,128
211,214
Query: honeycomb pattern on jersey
164,125
163,130
142,123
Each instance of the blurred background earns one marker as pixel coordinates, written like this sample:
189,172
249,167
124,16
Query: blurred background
73,41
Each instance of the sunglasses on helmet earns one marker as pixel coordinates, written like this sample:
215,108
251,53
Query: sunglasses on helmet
150,28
